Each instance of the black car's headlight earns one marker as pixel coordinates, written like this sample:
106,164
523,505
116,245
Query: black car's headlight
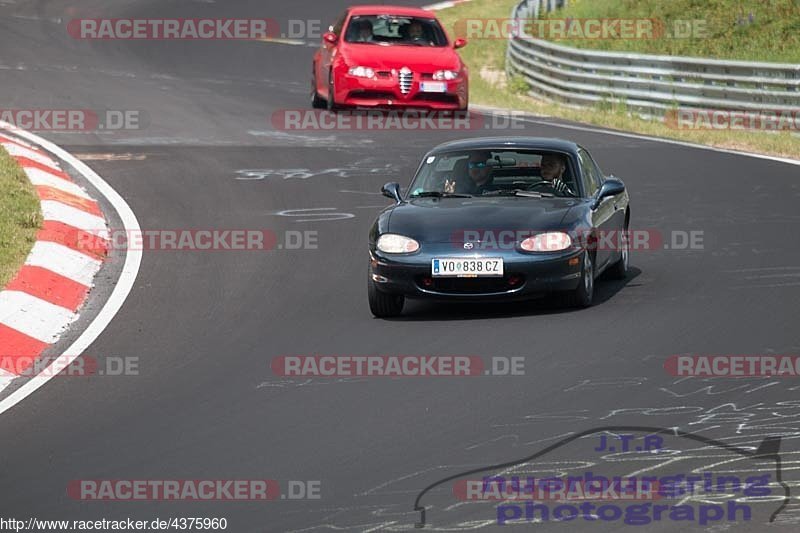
554,241
391,243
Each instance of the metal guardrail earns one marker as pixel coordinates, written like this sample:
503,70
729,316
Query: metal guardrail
649,84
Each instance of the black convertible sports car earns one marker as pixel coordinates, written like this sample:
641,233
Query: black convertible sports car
499,219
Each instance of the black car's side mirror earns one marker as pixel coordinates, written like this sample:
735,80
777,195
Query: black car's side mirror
392,190
611,187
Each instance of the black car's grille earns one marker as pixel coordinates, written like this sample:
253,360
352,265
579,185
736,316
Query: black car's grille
470,285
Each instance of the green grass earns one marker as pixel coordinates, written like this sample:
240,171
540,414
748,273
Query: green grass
490,87
751,30
20,217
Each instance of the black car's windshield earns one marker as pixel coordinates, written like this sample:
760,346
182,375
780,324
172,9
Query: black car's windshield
392,30
528,173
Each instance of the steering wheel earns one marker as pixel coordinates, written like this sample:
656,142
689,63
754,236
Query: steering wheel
538,183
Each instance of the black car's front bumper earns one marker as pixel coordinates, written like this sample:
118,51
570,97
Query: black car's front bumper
525,275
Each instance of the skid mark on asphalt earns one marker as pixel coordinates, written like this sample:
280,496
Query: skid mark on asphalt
293,383
111,157
310,141
168,141
742,424
350,171
766,277
37,18
618,382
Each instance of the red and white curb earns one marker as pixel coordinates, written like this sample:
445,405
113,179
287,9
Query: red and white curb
39,304
47,292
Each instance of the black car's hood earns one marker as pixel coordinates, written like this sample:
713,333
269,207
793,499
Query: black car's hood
443,220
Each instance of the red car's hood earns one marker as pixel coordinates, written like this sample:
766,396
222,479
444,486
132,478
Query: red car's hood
417,58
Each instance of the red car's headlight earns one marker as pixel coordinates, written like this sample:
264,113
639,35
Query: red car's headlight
445,75
362,72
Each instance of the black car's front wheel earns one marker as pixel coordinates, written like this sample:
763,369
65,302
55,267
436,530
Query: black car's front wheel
583,294
384,305
619,270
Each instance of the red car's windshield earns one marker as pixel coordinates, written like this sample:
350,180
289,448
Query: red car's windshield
391,30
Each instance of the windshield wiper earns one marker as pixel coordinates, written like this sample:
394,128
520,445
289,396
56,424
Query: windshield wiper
519,192
438,194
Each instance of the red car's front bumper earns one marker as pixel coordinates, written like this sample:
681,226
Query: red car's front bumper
384,91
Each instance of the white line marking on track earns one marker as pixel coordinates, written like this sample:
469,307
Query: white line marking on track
532,120
122,288
444,5
282,40
33,316
65,261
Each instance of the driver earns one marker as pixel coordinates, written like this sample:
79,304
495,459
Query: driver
416,32
553,168
364,31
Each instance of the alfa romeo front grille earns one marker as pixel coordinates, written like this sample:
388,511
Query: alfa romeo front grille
406,78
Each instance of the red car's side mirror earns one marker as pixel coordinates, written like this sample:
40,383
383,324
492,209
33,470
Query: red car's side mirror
330,37
459,43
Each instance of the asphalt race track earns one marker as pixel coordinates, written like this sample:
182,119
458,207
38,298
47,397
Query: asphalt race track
205,326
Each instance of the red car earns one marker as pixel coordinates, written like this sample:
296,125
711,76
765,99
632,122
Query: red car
389,57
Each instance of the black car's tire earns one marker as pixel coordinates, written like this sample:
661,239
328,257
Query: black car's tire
583,294
317,102
384,305
619,270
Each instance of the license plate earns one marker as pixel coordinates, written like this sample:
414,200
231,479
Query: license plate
433,87
467,267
